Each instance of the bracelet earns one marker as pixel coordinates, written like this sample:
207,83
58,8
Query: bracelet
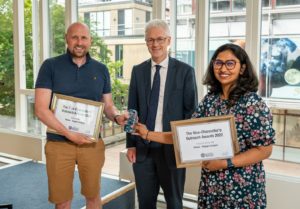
115,119
147,135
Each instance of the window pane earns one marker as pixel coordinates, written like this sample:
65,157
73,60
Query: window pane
292,154
34,126
287,126
280,53
28,43
226,29
57,27
239,5
293,131
185,31
117,28
128,22
287,2
219,5
266,3
7,90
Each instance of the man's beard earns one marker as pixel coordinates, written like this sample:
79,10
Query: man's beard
78,54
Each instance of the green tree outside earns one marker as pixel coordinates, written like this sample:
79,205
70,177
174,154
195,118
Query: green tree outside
7,93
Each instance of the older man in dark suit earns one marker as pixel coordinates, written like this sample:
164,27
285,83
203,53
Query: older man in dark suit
162,89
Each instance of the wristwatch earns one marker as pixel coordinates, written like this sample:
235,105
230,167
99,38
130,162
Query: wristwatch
230,164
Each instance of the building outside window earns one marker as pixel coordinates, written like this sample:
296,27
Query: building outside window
99,22
125,22
185,31
219,6
229,28
287,2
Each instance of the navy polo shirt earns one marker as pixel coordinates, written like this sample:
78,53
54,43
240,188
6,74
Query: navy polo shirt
61,75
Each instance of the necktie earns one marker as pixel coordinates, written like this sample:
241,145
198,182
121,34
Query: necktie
153,103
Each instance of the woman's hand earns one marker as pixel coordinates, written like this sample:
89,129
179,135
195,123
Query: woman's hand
214,165
141,130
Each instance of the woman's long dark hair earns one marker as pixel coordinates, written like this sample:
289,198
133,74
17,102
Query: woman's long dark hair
247,82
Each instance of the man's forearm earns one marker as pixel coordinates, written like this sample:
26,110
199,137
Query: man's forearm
48,118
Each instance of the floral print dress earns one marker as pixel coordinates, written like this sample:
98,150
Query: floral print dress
243,187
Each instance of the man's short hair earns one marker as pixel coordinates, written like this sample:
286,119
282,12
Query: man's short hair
157,23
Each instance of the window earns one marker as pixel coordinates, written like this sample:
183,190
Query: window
226,29
57,27
185,31
7,88
287,2
99,22
239,5
184,7
119,57
287,125
125,22
280,54
219,5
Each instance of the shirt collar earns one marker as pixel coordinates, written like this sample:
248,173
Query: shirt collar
163,64
88,56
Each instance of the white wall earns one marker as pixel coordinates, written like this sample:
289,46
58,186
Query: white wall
21,144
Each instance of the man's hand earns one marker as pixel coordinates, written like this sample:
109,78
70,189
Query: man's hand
122,119
78,138
131,154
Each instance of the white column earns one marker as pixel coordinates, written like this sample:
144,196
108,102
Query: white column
44,38
159,9
35,39
173,27
19,65
253,31
201,42
71,12
44,30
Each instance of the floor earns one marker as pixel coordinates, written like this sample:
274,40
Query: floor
111,165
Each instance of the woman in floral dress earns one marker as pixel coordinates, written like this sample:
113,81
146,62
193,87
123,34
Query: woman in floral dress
236,183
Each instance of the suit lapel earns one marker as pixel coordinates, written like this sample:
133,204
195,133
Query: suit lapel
169,81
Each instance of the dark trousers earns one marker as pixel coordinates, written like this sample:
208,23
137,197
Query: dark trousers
153,173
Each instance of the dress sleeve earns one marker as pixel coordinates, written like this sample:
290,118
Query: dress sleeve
200,110
257,125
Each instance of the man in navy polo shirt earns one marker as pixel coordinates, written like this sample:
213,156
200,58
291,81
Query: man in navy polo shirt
75,74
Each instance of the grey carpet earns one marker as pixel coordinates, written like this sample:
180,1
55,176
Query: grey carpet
25,186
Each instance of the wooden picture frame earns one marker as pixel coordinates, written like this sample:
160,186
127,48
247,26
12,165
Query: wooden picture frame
205,138
78,115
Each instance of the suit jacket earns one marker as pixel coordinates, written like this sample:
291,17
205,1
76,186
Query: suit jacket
180,101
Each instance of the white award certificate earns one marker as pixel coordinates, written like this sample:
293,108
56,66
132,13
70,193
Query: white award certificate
78,115
201,139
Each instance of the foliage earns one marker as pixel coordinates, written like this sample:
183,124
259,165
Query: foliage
99,51
57,33
7,93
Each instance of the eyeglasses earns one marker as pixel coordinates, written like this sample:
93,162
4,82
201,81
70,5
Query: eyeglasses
229,64
159,40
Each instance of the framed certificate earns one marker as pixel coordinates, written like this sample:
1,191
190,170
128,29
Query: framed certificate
205,138
78,115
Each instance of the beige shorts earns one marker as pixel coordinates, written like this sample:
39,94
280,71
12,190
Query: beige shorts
61,158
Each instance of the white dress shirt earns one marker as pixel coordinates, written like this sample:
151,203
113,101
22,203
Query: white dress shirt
163,76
